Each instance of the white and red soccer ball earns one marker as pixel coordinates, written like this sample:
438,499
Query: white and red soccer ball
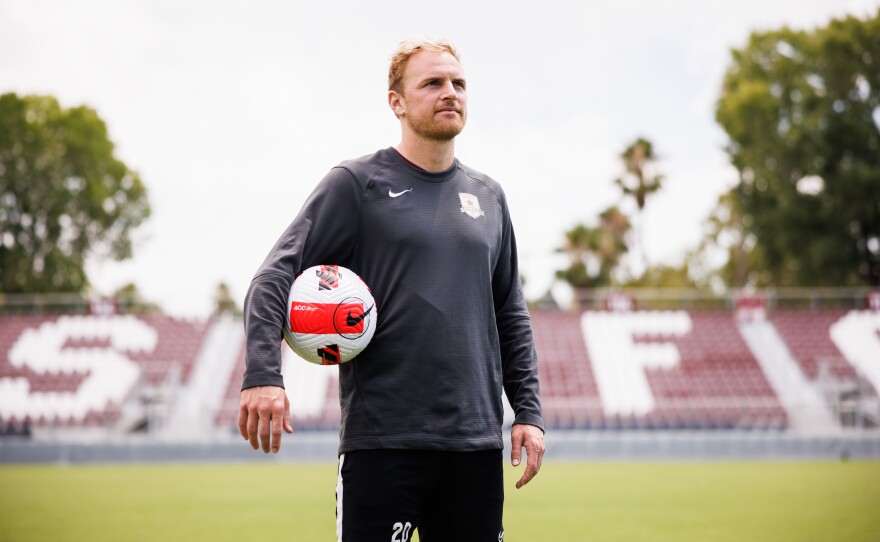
331,315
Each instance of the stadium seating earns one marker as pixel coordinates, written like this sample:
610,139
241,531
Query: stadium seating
806,334
816,338
600,370
568,385
698,373
227,415
666,370
80,369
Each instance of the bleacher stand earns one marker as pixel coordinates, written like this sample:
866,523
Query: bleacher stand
616,368
569,391
79,370
313,392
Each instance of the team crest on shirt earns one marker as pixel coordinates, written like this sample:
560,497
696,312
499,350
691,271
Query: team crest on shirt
470,205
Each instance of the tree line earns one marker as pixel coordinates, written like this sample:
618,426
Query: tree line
801,110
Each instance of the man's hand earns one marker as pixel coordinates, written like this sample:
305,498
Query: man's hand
532,438
264,410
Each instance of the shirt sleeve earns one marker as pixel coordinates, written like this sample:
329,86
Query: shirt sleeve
518,357
323,232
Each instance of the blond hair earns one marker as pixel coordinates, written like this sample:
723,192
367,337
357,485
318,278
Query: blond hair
408,48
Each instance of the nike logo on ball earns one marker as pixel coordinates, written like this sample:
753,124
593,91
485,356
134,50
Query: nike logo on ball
352,321
395,194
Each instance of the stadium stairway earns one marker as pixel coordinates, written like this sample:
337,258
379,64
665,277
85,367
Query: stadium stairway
804,404
857,336
203,394
312,390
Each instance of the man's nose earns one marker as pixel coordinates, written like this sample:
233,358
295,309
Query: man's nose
449,91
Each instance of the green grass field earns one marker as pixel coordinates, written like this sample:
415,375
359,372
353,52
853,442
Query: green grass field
603,502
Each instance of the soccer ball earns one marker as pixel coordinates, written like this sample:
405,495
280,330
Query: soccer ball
331,315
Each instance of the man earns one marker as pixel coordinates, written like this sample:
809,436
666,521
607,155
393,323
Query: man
420,442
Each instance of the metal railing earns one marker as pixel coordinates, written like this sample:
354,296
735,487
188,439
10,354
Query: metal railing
688,298
73,303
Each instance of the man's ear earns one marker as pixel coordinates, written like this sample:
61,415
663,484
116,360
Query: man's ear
397,103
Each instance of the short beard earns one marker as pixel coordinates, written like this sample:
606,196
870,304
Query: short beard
435,131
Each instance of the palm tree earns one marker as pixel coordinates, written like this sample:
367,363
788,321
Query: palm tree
640,179
594,253
611,246
580,243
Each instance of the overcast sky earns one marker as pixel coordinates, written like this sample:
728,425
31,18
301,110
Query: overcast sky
232,111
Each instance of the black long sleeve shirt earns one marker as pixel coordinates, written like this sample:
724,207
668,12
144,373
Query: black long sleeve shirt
439,254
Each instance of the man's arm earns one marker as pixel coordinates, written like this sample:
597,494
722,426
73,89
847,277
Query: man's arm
518,357
322,233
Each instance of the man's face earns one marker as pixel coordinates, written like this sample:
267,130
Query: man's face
433,101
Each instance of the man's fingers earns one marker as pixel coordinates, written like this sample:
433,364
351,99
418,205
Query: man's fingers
288,425
540,458
533,463
527,476
242,421
532,439
252,425
265,429
516,443
263,415
277,422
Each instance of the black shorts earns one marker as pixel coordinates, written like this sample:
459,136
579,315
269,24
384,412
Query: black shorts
386,495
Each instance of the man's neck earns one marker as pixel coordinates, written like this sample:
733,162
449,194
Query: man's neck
433,156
